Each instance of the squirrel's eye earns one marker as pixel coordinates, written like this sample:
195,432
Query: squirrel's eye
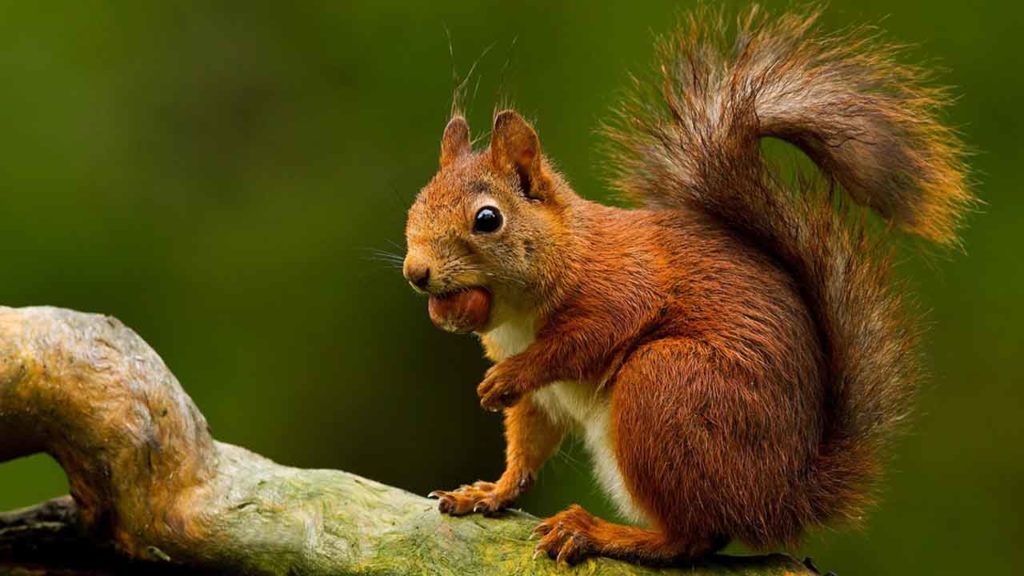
487,220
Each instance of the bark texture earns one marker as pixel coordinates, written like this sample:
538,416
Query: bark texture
152,492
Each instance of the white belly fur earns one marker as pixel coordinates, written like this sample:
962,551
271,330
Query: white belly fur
583,408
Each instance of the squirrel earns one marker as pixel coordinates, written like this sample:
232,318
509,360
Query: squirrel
731,349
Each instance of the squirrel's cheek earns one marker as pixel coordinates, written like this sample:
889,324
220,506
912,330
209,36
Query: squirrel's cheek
462,312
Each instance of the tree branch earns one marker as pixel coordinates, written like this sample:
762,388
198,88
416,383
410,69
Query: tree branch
150,485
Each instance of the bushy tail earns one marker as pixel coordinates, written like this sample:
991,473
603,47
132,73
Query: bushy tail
870,125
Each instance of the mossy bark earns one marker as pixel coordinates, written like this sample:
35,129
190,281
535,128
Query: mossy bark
151,489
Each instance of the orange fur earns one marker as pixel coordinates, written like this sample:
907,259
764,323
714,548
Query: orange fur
734,347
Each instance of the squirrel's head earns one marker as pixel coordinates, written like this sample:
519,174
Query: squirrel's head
482,233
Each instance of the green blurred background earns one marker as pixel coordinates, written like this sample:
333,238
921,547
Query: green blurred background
220,175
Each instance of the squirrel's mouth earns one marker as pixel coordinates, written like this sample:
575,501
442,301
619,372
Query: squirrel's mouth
463,310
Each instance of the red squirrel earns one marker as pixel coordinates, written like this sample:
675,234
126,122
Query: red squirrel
731,350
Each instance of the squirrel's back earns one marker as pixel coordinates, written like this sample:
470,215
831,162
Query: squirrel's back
871,126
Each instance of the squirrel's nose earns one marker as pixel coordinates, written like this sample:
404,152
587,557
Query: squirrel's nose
417,274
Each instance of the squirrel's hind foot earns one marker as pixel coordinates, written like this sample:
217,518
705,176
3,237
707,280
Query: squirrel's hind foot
574,535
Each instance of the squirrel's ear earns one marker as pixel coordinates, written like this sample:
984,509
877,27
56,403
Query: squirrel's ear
515,148
455,141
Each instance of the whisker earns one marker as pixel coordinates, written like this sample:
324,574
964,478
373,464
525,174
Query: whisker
384,258
506,278
392,265
389,259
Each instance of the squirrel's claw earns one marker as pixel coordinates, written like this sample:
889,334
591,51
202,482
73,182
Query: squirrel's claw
498,402
479,498
499,389
566,536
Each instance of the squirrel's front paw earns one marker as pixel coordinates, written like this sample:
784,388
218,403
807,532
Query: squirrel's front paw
486,498
502,387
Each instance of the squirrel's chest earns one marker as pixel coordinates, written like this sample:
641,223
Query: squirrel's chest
579,407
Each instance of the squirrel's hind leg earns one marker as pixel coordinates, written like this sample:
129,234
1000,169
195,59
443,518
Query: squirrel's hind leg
575,534
710,447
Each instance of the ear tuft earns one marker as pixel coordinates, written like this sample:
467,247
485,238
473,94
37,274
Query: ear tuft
515,148
455,141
